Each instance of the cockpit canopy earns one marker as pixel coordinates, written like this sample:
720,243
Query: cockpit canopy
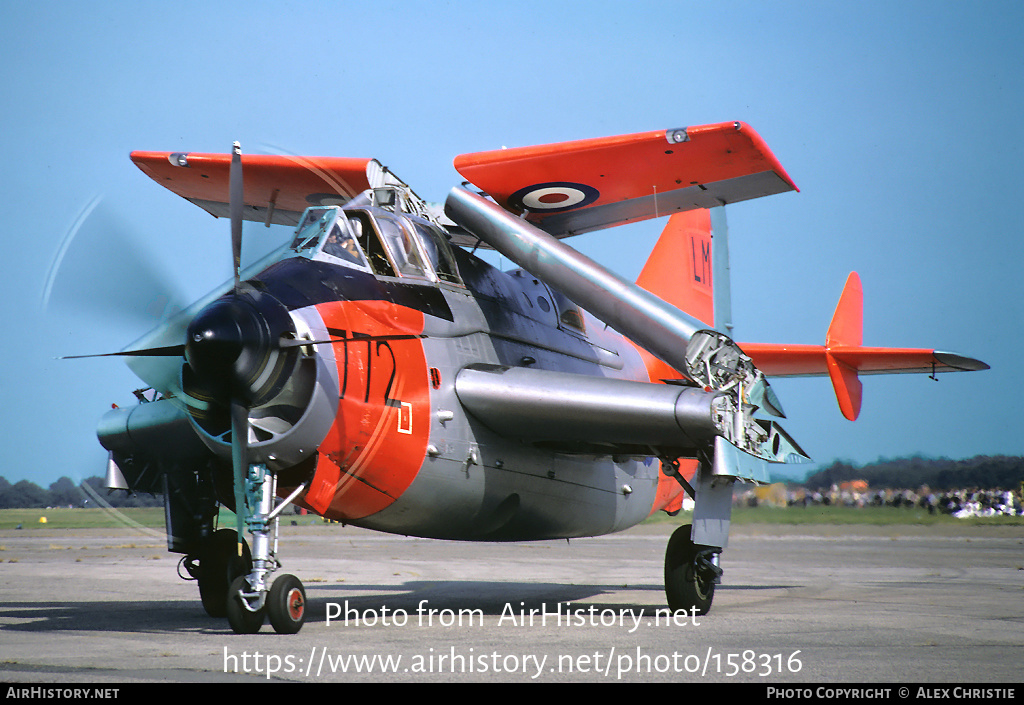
377,241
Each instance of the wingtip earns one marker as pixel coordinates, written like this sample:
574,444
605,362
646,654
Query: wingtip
960,362
777,167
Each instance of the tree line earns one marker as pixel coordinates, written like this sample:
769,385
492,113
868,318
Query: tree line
65,492
981,472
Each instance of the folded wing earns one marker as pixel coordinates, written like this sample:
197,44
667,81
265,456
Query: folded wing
277,188
575,187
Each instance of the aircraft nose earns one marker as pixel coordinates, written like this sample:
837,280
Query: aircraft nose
233,347
215,340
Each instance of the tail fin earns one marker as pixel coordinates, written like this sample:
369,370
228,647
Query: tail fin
846,331
688,267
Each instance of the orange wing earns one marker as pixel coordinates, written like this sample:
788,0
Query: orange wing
574,187
277,188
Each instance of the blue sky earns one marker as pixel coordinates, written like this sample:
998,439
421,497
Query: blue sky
897,120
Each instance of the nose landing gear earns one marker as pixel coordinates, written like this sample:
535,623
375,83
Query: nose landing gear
252,598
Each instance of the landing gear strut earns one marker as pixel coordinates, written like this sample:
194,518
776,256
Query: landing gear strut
251,598
691,572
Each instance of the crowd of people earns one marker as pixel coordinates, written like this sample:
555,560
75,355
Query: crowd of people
958,503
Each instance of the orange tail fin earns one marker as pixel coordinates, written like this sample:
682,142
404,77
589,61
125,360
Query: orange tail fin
679,269
846,330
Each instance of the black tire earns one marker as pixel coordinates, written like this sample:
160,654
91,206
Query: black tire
219,564
686,587
242,621
286,604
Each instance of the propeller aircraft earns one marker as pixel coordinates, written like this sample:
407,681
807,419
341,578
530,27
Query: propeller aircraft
374,371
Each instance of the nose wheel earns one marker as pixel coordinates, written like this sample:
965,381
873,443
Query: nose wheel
245,608
286,604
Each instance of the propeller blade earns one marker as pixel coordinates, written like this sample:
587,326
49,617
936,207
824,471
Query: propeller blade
168,351
103,274
239,462
235,209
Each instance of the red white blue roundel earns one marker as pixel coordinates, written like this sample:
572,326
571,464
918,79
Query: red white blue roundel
553,197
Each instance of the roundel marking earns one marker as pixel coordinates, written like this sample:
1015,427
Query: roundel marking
553,196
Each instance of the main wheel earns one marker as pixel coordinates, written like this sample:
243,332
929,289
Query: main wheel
242,621
286,604
689,583
219,564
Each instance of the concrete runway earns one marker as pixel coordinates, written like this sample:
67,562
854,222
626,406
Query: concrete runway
797,605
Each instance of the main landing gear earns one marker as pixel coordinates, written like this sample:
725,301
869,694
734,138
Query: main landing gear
691,568
248,597
219,564
691,573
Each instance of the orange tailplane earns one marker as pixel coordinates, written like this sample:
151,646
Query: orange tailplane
843,357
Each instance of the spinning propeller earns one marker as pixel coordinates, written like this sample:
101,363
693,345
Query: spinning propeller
100,271
239,350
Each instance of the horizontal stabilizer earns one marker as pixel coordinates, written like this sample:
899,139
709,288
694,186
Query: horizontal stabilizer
785,360
844,359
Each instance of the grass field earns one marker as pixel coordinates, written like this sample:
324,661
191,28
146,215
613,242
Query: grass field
153,518
31,519
63,518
